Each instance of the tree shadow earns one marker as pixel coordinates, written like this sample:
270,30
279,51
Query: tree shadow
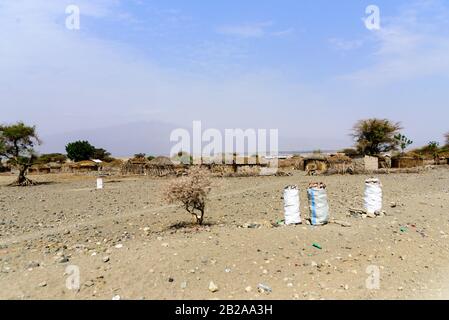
34,184
190,226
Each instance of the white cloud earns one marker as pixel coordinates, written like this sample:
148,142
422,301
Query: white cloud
345,45
253,30
410,46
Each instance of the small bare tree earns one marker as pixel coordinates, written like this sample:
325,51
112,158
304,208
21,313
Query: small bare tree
191,191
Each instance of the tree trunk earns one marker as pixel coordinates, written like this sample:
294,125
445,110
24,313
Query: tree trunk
22,180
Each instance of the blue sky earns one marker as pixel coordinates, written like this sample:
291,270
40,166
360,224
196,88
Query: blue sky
298,66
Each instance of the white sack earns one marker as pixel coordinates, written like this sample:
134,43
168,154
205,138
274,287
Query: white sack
373,195
291,205
319,207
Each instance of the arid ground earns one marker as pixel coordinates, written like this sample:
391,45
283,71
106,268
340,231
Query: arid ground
125,241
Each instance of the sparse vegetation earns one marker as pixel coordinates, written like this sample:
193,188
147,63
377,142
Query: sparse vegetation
191,191
51,157
374,136
102,154
139,155
17,143
403,142
350,152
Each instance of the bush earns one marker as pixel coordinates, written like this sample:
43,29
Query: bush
350,152
191,191
139,155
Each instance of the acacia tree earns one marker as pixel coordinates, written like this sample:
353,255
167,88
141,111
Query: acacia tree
17,143
80,150
433,147
373,136
403,142
191,191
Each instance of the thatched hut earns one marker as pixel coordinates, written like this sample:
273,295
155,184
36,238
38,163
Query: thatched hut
402,162
315,164
39,169
113,167
137,165
339,163
55,167
292,163
161,167
84,166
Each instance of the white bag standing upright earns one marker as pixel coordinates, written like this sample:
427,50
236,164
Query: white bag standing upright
291,205
373,195
319,207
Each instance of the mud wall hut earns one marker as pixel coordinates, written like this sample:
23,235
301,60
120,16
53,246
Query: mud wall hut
135,166
339,163
407,162
315,164
365,164
161,167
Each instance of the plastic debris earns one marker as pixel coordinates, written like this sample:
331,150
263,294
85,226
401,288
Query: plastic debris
264,288
316,245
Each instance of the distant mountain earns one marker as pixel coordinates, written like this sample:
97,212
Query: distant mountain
152,138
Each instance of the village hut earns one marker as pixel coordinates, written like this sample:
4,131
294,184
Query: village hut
315,164
384,161
39,169
85,166
135,166
402,162
55,167
444,158
339,163
364,164
291,163
112,167
161,167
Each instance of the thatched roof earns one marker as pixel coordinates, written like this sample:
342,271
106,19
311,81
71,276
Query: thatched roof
86,163
315,156
161,162
338,158
139,160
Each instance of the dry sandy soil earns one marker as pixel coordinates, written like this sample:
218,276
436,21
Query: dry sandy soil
126,242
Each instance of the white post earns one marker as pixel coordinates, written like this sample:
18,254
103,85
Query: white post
99,183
